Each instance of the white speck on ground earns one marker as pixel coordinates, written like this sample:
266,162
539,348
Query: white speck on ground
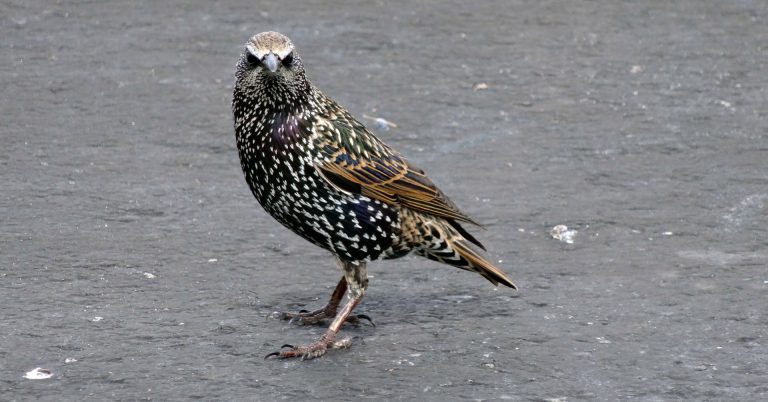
38,373
561,232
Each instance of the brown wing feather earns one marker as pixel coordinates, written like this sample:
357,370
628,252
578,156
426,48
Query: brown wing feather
367,166
408,187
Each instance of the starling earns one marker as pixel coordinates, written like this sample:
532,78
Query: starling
322,174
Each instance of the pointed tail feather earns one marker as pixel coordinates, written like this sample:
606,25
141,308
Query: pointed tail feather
480,265
445,241
465,234
457,252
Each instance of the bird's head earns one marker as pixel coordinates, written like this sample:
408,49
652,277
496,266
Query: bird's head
270,62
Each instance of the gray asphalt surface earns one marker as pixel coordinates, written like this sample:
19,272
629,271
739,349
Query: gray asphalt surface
130,242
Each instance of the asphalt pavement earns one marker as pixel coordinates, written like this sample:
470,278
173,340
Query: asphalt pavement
136,265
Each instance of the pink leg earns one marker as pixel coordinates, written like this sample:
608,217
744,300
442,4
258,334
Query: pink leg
356,279
327,341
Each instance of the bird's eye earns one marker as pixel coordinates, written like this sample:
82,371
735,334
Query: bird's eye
287,60
251,59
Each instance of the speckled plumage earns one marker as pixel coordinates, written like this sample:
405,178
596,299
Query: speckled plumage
325,176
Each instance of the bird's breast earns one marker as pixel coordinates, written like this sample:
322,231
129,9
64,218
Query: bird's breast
277,154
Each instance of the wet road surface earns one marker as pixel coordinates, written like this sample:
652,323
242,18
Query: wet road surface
136,265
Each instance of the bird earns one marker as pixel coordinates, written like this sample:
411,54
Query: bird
325,176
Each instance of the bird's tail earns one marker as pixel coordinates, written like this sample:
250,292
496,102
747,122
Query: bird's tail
453,249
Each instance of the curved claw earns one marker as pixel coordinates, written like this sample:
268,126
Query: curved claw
272,354
366,317
288,345
303,311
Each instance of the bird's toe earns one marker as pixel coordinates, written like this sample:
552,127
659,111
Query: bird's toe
311,351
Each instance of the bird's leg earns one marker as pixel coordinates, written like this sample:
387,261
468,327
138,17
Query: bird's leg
313,317
356,277
305,317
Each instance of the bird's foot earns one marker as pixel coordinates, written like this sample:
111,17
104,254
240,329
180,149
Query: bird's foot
328,340
311,351
305,317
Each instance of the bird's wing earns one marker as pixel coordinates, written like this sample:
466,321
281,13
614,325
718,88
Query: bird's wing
355,161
